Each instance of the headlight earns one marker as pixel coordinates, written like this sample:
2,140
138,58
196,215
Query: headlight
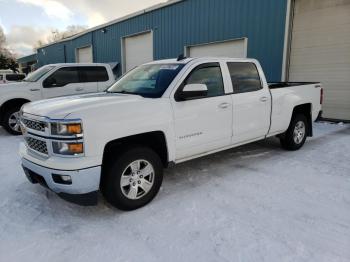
68,148
66,129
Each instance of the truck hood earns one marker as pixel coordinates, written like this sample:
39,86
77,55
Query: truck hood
13,86
60,108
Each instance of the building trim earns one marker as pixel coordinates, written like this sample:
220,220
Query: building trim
288,40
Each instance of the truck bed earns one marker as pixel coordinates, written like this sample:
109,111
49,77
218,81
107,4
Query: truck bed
275,85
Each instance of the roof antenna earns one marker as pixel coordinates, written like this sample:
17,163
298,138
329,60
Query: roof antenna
181,57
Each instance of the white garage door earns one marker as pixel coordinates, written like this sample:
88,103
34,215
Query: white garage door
234,48
138,50
84,55
321,51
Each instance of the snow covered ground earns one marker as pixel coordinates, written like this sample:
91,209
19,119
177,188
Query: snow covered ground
253,203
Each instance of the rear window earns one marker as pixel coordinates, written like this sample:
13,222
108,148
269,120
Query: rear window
15,77
245,77
94,74
1,77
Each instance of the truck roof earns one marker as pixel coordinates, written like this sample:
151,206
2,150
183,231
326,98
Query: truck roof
79,64
190,59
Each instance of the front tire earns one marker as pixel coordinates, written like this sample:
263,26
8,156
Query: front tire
294,138
134,179
11,121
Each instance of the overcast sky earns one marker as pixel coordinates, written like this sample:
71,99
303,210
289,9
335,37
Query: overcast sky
27,21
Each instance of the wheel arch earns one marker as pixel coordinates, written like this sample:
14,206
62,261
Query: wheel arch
10,103
156,140
306,110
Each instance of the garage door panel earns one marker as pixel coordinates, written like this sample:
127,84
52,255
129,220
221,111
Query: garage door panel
336,54
138,50
325,17
322,37
320,51
334,80
234,48
84,55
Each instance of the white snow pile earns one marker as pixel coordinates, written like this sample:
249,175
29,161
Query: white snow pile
253,203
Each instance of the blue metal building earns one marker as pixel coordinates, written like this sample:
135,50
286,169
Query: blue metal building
176,25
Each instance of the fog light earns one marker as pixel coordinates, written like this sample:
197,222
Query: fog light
62,179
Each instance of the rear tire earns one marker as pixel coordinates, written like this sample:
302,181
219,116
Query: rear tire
294,138
11,120
133,179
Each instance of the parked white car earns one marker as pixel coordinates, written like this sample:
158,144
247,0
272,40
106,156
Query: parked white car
50,81
159,114
8,76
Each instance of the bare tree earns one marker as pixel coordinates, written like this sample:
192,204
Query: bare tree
57,35
7,59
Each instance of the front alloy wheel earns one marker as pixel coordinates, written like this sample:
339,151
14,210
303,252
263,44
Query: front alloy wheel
137,179
133,178
11,121
14,122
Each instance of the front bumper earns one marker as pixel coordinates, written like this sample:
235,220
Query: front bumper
84,182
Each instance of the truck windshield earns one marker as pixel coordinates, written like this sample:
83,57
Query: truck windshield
147,80
36,75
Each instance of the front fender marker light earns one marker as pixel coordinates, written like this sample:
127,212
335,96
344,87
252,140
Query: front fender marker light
68,149
74,129
76,148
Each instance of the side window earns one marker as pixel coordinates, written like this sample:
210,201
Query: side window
211,76
245,77
15,77
62,77
1,77
94,74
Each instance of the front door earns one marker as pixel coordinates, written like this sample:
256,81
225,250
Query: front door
66,81
203,124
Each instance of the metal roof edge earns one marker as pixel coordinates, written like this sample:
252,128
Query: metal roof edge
115,21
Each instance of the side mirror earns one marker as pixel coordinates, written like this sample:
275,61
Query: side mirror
192,91
50,82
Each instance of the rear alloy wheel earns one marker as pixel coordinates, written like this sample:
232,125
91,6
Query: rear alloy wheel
12,121
133,179
299,132
294,138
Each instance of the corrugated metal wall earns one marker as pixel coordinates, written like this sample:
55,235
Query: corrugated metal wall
191,22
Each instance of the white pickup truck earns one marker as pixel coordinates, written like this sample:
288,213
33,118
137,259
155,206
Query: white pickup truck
159,114
51,81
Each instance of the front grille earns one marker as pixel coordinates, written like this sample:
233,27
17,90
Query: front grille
34,125
37,145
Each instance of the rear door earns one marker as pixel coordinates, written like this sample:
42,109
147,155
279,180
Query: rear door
203,124
251,102
95,78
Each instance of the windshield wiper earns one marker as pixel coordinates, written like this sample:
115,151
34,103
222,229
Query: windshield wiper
123,92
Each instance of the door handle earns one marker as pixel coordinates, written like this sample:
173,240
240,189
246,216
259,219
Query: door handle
224,105
34,89
263,99
79,89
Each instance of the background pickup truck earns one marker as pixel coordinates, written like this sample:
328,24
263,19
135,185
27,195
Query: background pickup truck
7,76
159,114
51,81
